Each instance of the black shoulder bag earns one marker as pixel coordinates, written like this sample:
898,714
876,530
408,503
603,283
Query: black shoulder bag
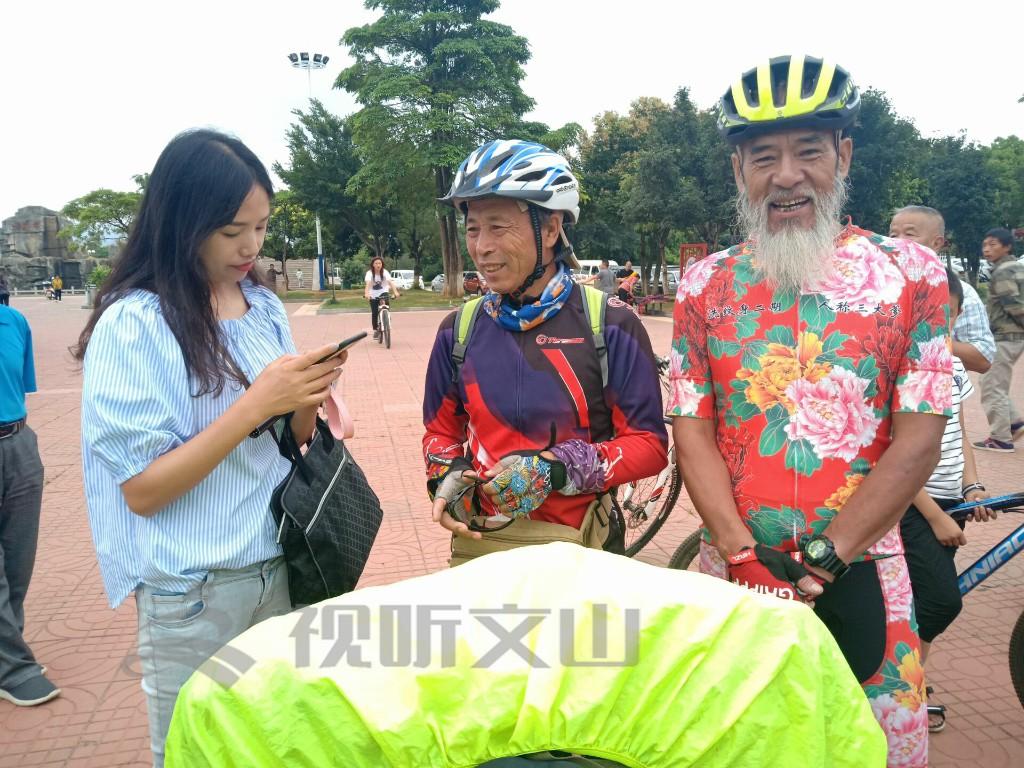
327,516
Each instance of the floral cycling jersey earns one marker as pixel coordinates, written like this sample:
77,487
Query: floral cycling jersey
803,387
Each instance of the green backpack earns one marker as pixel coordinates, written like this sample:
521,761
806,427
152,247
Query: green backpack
594,307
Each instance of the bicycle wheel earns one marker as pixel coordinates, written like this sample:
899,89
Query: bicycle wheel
385,326
1017,658
646,505
687,555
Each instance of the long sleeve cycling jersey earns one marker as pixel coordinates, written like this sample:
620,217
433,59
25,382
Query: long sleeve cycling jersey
524,391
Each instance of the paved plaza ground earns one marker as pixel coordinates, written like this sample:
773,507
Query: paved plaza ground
100,720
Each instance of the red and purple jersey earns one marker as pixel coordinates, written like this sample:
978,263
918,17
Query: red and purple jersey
524,391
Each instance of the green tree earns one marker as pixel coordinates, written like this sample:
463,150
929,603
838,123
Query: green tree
434,79
291,233
660,187
416,224
886,172
603,231
713,171
653,175
99,215
960,188
323,160
1004,163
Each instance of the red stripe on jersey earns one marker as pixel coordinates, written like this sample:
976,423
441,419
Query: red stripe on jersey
557,358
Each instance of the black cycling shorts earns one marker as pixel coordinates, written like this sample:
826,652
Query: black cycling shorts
854,611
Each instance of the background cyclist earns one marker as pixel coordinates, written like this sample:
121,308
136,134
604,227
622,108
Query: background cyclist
378,282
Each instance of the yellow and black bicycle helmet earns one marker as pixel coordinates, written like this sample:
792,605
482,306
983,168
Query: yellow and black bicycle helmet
788,92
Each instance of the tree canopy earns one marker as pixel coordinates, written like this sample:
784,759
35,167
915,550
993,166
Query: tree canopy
434,79
101,215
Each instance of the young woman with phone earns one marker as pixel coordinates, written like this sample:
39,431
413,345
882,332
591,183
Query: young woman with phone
186,352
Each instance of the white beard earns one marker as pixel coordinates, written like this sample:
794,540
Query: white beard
794,256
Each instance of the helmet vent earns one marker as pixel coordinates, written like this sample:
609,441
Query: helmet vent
532,176
780,74
563,179
812,70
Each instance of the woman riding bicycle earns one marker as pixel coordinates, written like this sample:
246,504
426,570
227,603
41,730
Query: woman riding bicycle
378,283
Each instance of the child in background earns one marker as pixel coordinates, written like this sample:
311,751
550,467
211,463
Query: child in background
930,535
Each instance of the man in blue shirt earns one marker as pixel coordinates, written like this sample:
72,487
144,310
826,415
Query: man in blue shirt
21,493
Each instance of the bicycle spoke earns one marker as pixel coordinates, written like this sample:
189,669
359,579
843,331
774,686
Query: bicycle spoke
646,504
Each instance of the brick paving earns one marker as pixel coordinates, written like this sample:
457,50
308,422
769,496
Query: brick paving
100,720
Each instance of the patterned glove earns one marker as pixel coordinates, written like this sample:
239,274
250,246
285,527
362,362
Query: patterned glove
524,482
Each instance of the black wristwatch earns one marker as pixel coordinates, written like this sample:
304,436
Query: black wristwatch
820,552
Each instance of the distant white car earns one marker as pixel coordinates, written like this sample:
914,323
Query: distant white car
673,279
403,278
437,284
984,268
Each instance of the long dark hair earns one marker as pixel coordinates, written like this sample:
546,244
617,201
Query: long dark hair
197,186
373,272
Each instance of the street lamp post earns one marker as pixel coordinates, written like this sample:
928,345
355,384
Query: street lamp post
307,62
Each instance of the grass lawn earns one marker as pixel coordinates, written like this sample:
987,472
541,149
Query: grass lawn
412,299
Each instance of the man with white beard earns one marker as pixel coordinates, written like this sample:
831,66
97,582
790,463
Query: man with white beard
811,379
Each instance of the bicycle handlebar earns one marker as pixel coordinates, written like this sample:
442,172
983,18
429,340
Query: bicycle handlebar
1006,502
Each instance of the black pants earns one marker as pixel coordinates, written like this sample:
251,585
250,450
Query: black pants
21,495
853,609
5,299
937,599
374,312
57,292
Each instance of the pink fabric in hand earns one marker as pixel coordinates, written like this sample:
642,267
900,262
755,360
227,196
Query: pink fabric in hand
338,418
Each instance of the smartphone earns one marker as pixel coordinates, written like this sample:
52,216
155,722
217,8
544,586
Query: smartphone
342,346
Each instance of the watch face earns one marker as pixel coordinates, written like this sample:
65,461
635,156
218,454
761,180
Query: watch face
817,549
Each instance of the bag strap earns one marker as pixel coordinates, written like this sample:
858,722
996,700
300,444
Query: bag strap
594,307
465,320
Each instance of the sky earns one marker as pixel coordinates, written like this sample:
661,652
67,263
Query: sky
91,92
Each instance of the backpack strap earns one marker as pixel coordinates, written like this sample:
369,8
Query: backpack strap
465,319
594,307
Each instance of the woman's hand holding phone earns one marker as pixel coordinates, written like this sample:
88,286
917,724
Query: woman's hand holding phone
341,348
295,381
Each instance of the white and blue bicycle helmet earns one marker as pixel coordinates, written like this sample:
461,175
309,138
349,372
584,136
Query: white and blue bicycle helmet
526,171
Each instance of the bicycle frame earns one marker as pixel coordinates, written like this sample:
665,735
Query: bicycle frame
991,561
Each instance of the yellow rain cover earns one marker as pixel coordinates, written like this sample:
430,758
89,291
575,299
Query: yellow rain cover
534,649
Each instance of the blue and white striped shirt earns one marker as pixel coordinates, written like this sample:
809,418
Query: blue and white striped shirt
972,326
136,406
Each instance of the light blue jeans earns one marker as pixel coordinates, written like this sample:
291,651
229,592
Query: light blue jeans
178,632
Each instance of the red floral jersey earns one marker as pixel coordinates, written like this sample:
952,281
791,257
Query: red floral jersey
803,387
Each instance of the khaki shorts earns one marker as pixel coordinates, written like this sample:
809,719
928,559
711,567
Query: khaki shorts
602,528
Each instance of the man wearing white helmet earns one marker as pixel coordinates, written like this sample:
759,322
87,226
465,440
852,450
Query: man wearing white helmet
542,395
